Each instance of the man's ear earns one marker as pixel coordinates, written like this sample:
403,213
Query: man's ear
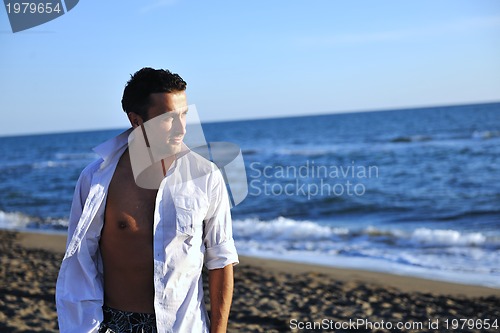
135,119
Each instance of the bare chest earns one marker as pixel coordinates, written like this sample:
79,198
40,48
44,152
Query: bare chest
129,208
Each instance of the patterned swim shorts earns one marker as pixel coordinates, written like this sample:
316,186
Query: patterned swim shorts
117,321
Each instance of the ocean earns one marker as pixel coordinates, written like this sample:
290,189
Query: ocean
413,192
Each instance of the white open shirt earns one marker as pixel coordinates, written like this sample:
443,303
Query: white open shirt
192,226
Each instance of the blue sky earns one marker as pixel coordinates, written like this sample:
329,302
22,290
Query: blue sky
249,59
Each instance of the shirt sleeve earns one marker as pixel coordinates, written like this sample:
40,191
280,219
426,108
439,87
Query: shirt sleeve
218,233
73,316
79,197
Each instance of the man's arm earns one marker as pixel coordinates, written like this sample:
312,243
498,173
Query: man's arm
220,283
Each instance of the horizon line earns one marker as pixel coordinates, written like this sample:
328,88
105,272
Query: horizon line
325,113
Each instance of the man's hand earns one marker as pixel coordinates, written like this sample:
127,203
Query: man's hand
220,283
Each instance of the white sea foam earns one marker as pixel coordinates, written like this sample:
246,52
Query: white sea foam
283,228
22,222
447,237
76,156
49,164
63,160
14,221
449,255
485,134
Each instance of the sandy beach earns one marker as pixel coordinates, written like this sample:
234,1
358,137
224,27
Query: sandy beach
269,296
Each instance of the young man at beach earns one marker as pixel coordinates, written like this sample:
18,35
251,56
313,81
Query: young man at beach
135,254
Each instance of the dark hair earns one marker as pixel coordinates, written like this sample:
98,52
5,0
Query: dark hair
145,82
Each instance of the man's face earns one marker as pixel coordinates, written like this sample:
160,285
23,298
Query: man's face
166,124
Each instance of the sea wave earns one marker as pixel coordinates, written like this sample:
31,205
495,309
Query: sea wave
23,222
75,156
485,134
286,229
411,138
283,228
384,143
50,164
447,237
446,136
14,220
247,152
453,255
307,151
65,160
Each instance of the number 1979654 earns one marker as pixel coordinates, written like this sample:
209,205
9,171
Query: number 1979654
470,324
33,8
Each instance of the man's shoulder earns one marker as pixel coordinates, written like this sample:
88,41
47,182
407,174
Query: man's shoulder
90,169
196,169
93,166
198,163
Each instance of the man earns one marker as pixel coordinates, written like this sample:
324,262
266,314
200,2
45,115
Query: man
135,253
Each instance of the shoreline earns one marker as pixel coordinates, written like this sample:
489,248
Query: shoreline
57,243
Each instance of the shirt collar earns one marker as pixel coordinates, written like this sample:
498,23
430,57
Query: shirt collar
108,148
